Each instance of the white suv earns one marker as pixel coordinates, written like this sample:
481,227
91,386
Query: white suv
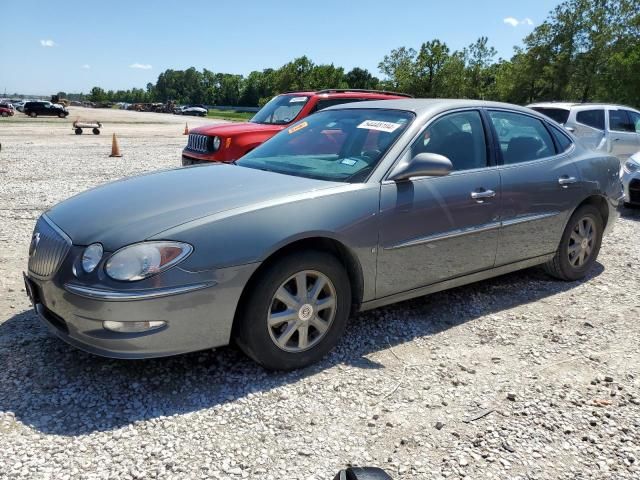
614,129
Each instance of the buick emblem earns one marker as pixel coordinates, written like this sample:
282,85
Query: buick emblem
35,240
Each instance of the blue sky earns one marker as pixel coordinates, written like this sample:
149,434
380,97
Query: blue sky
50,45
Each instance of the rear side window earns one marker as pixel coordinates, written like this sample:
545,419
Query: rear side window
619,121
560,115
563,143
522,138
591,118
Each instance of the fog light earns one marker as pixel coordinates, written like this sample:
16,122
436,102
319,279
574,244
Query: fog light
133,327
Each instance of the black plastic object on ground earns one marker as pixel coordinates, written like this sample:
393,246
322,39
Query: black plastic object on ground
362,473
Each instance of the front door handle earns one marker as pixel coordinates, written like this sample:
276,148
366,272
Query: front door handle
481,195
565,181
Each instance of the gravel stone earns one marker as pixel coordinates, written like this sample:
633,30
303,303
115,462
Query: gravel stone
374,400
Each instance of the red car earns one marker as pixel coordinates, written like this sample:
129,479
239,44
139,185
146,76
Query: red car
6,111
230,141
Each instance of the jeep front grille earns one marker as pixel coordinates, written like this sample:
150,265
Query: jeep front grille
198,143
49,246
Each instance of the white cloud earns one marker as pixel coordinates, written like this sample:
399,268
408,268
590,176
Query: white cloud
141,66
86,66
47,43
514,22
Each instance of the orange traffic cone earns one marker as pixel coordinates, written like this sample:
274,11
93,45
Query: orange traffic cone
115,149
186,129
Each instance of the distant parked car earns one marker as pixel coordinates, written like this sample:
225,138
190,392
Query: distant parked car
228,142
48,109
19,106
614,129
630,176
351,208
194,110
6,110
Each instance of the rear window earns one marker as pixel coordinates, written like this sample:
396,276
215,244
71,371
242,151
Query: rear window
591,118
560,115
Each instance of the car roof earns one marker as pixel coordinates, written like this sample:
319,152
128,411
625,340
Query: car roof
570,105
349,93
430,106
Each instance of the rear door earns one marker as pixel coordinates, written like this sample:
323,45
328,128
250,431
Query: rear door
623,140
540,185
589,127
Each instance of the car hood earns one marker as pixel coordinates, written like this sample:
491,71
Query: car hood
232,129
131,210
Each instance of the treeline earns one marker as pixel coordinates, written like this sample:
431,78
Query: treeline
586,50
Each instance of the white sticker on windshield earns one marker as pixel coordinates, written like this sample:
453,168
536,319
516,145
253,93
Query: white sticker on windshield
348,161
379,125
298,99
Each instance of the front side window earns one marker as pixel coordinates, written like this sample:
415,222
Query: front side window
634,120
522,138
335,145
459,137
591,118
281,110
619,121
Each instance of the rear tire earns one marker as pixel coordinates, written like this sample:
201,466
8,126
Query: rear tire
5,114
78,131
286,336
33,114
96,131
579,246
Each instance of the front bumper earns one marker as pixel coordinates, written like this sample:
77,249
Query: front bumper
631,186
198,315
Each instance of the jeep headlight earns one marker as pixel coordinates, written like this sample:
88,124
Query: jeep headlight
142,260
631,166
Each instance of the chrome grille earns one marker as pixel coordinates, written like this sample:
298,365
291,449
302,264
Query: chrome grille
49,246
197,143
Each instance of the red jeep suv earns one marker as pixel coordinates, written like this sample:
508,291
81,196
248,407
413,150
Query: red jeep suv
230,141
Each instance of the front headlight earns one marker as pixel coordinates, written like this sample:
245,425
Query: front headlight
142,260
91,257
630,166
216,143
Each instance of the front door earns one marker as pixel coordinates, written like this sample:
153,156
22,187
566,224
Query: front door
436,228
540,186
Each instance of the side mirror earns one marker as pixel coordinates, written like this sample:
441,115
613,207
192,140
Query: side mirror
362,473
422,165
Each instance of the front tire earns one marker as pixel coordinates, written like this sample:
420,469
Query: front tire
33,114
579,246
295,312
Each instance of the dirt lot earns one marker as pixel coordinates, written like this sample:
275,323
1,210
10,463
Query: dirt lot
520,377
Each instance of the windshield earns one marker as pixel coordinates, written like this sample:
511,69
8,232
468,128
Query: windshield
280,110
335,145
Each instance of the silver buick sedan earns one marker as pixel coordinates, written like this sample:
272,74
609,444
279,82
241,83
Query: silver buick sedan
357,206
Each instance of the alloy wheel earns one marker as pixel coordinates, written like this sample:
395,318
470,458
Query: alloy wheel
581,242
302,311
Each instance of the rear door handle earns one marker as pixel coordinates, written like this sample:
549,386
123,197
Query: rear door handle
565,181
480,195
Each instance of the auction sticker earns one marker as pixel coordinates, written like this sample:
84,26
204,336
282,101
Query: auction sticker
298,99
298,127
379,125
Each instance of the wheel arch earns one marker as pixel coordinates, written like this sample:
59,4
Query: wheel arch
318,243
598,201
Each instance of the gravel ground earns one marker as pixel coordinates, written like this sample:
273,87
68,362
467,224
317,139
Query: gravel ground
520,377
